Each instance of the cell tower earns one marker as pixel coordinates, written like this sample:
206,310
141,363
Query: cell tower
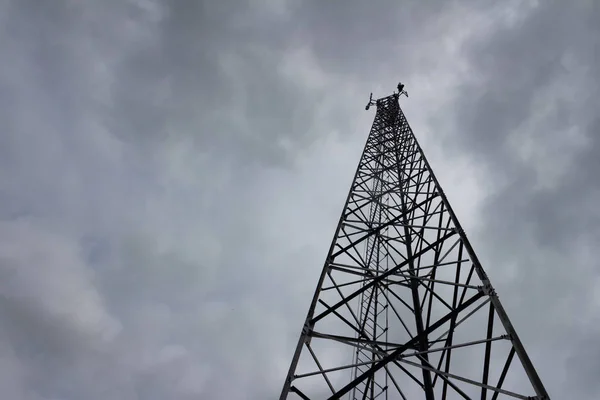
403,308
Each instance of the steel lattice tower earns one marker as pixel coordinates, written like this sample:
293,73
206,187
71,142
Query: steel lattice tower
403,308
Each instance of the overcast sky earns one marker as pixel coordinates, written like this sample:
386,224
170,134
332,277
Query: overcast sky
171,173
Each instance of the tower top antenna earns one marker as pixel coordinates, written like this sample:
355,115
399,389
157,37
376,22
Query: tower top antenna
400,92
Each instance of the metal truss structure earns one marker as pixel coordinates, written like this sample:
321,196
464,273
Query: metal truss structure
403,308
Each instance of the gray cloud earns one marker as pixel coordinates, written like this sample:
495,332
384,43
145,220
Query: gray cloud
171,173
529,119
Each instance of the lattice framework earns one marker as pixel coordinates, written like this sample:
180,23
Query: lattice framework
403,308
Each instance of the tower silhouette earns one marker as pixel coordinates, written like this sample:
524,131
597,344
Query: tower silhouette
403,308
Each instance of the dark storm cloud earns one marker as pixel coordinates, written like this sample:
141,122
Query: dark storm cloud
511,75
530,120
549,60
216,70
134,138
171,173
354,39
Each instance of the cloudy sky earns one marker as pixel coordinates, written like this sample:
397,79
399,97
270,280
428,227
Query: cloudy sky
171,173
